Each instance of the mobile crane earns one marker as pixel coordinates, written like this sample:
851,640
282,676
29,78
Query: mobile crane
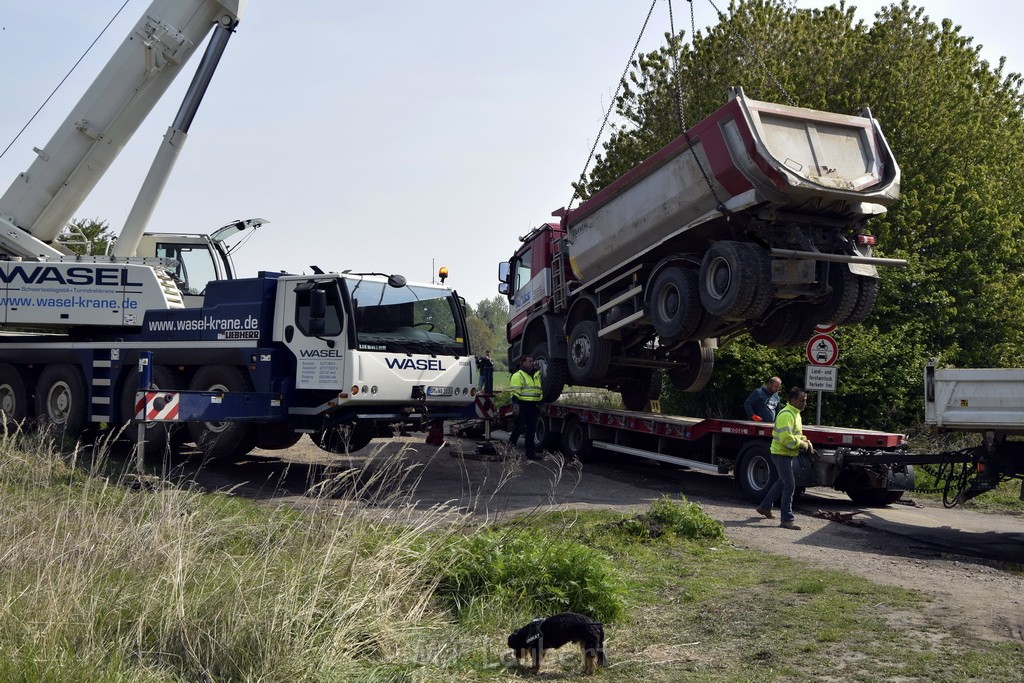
341,356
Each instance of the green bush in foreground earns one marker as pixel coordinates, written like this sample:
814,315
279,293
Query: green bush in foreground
517,570
683,520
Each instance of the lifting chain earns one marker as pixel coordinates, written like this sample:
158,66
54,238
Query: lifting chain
719,204
611,106
752,53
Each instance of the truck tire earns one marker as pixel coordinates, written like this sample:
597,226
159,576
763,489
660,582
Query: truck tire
785,327
543,439
841,302
589,355
222,440
576,443
876,497
553,372
644,387
342,439
61,399
695,369
675,307
276,436
14,397
865,489
727,280
158,434
764,290
867,294
755,471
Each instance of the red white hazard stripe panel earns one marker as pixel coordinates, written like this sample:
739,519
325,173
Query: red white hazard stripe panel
484,406
159,405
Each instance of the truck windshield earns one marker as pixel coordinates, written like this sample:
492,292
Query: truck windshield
409,319
195,265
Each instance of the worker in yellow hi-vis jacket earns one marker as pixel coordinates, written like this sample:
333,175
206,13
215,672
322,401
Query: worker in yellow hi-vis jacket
527,394
787,441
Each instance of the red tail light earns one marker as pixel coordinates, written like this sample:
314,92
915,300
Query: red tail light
866,239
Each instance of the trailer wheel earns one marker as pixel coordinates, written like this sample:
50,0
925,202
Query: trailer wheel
276,436
543,439
727,280
696,366
676,310
61,399
553,372
755,471
14,397
576,443
222,439
865,489
344,438
644,387
158,434
589,355
876,497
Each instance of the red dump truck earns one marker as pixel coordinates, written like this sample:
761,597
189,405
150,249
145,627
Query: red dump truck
755,220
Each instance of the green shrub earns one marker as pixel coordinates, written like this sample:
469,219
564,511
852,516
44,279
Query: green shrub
665,517
517,570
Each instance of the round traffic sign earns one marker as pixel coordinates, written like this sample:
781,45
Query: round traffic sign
822,350
824,329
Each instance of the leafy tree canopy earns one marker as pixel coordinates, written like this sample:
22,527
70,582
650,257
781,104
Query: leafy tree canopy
487,329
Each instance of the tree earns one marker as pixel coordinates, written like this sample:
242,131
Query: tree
487,329
87,236
494,312
956,128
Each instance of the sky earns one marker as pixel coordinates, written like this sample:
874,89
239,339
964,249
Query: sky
394,137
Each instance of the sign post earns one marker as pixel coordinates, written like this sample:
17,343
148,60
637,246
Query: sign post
821,374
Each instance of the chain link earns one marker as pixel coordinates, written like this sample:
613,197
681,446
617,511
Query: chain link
752,52
611,106
719,204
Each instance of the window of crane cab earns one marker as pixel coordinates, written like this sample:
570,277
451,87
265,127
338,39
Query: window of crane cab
194,267
524,271
332,313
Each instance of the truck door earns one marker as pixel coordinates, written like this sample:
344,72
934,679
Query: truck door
314,329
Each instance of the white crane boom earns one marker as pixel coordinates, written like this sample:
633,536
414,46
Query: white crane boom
41,200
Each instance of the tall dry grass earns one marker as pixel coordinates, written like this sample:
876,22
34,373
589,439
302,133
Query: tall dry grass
103,581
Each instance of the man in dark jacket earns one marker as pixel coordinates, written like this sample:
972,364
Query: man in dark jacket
763,403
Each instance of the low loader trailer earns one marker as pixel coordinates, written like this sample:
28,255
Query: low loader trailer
869,466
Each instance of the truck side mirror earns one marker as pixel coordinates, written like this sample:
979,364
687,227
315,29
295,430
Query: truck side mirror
504,268
503,288
317,311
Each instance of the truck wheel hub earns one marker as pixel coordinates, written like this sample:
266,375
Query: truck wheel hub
581,351
719,278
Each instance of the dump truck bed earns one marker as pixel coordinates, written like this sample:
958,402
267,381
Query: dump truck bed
755,154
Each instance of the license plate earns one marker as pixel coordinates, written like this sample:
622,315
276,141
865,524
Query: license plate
440,391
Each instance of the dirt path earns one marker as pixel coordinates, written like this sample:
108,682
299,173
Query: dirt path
969,563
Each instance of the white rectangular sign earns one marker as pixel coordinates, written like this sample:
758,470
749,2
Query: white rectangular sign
821,378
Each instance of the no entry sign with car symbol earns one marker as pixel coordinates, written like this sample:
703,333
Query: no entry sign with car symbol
822,350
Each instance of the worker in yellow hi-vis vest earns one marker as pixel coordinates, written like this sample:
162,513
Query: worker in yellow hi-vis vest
527,394
787,441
